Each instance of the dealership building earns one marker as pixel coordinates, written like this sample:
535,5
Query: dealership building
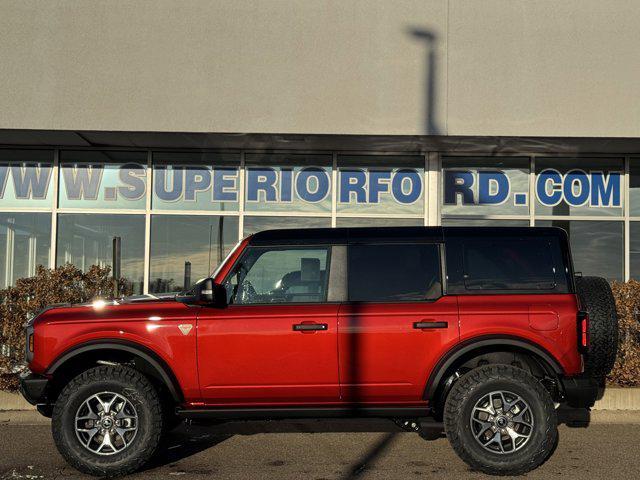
172,130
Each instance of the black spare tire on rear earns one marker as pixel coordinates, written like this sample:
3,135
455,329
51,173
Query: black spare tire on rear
596,298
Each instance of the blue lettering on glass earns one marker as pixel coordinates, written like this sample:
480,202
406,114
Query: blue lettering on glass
576,180
286,185
306,177
578,188
353,182
31,181
493,187
196,180
225,185
549,187
4,173
132,175
82,181
163,191
378,183
458,182
262,180
402,178
606,189
520,199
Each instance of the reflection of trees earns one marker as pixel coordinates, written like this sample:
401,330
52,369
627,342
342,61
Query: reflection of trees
160,285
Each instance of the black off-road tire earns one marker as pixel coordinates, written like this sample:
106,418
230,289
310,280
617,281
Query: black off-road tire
597,299
133,386
470,389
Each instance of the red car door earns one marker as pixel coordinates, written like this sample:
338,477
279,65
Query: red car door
397,324
276,341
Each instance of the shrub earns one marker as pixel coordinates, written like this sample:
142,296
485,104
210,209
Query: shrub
65,284
626,372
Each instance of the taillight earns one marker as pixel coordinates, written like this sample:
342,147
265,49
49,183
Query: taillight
583,332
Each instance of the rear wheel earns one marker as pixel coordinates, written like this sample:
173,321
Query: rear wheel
108,421
501,420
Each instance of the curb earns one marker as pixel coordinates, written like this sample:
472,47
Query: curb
616,398
613,399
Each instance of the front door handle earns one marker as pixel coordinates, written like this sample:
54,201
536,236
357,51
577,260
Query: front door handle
309,327
430,325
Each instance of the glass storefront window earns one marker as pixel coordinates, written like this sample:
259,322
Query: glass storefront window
597,247
101,180
254,224
579,186
634,250
478,222
25,243
196,181
485,186
177,259
634,187
378,222
26,178
282,183
86,239
381,184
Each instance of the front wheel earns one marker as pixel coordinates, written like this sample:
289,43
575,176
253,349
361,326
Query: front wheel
108,421
501,420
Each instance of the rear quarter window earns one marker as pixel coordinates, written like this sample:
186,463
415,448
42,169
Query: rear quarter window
515,264
507,265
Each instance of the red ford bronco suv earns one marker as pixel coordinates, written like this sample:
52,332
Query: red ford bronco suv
486,329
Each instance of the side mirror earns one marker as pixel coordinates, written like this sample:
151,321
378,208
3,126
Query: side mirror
211,294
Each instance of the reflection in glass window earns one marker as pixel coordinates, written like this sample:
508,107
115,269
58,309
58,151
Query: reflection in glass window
593,188
25,242
26,178
196,181
103,179
378,222
281,183
478,222
279,275
597,247
634,187
485,186
186,248
634,250
86,239
381,184
394,273
258,224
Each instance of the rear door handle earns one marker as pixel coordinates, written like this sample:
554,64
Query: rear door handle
429,325
308,327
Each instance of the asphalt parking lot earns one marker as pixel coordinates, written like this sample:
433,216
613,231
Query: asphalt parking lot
326,449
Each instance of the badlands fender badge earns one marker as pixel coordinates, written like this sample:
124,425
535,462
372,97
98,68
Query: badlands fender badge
185,328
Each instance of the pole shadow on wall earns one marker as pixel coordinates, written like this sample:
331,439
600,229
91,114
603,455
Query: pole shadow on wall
430,41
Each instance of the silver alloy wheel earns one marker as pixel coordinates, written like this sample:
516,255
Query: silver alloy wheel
502,422
106,423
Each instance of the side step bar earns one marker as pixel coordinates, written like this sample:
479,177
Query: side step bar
302,412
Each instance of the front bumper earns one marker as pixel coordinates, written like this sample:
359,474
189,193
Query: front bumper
34,389
580,392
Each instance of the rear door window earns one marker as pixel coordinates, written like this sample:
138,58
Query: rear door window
394,272
523,264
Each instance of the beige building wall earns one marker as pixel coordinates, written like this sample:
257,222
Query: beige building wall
457,67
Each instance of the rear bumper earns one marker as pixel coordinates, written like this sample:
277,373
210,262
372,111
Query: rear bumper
580,392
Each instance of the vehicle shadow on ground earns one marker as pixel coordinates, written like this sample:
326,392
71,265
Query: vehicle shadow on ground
190,439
